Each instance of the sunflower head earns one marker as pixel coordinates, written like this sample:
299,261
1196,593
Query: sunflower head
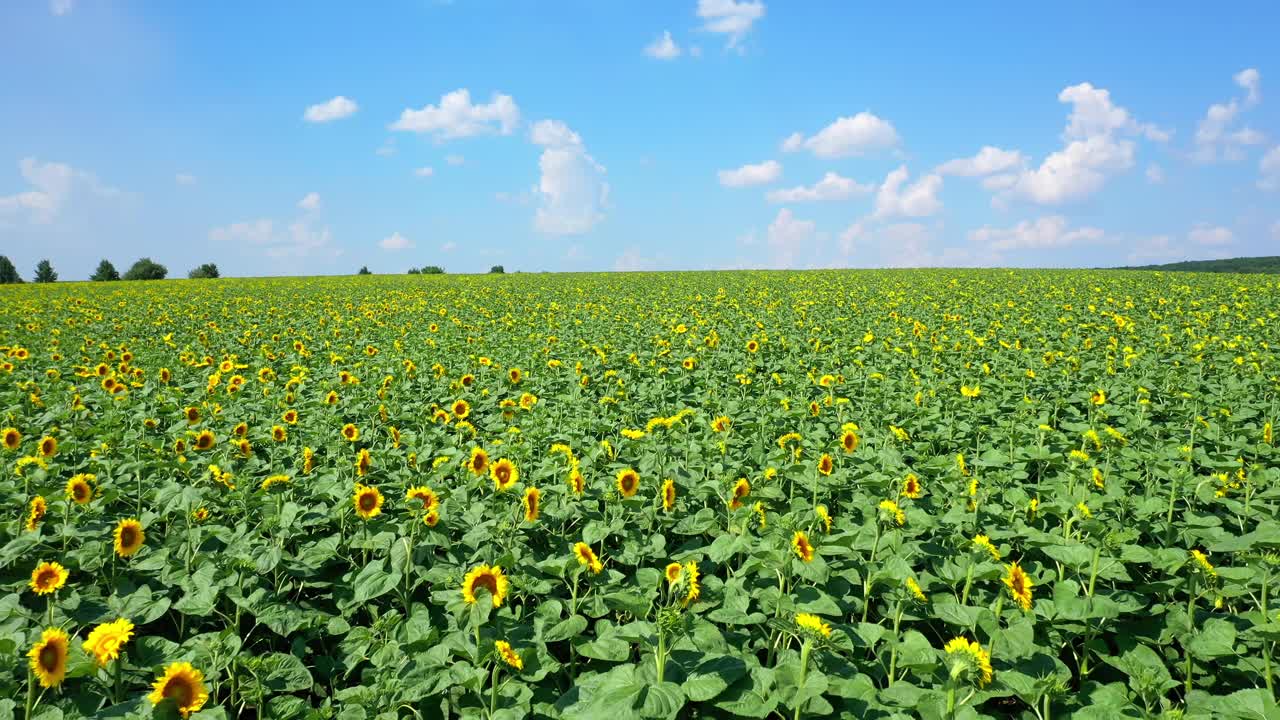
741,489
813,626
79,489
364,462
673,572
801,546
350,432
48,577
424,494
508,654
911,486
1020,585
11,438
204,440
576,482
367,501
587,557
825,464
504,474
48,657
485,577
628,482
668,495
514,375
721,424
192,414
104,642
968,659
849,441
183,685
48,446
461,409
532,503
478,462
128,537
290,416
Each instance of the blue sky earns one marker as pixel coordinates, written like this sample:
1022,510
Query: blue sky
278,138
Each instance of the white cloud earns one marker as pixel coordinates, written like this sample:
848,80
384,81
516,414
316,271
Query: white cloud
184,179
60,7
424,172
449,247
730,17
1215,137
765,172
850,236
395,241
1093,113
330,110
53,186
787,235
831,187
571,191
988,161
457,117
1157,249
310,201
1079,169
896,198
1047,232
1269,169
632,261
388,148
1155,174
846,137
1205,234
297,240
664,48
1251,80
455,160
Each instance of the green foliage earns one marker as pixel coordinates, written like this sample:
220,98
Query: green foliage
1268,264
1097,427
364,270
207,271
105,272
146,269
496,270
432,270
45,272
8,273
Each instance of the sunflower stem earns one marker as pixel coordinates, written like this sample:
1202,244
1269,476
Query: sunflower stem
493,690
119,677
804,668
31,693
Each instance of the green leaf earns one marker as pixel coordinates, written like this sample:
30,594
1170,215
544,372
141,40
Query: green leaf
713,676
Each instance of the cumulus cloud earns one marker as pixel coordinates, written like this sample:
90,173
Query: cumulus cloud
846,137
330,110
1047,232
310,201
747,175
730,17
296,240
395,241
632,260
1093,113
831,187
53,186
455,160
1155,174
664,48
184,179
989,161
1205,234
457,117
1269,170
424,172
1217,137
1156,249
787,235
60,7
572,191
898,199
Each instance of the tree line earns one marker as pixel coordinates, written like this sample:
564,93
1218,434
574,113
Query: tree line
148,269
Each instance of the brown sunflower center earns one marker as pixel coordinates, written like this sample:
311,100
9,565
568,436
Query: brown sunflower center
180,691
49,658
368,501
128,536
503,473
46,578
80,492
629,483
486,581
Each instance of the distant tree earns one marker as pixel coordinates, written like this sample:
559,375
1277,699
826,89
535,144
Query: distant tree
8,273
146,269
45,273
433,270
496,270
364,270
414,271
106,271
207,271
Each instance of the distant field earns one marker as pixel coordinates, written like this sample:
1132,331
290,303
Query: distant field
756,494
1269,264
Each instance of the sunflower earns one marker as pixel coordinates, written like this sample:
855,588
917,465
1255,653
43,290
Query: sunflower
752,346
479,461
425,494
240,430
48,577
849,440
628,482
741,489
308,460
290,416
812,625
467,380
363,462
184,685
1099,397
488,578
192,414
721,424
760,515
504,474
128,537
587,557
967,656
431,516
49,657
274,480
892,513
694,590
528,400
983,542
688,363
1098,480
576,481
668,495
204,440
825,464
104,642
508,654
331,398
367,501
1202,563
48,446
35,512
350,432
914,588
911,486
200,514
460,409
674,572
825,516
802,547
514,375
165,375
532,503
244,447
11,438
1020,585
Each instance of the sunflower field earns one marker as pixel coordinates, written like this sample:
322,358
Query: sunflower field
882,494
